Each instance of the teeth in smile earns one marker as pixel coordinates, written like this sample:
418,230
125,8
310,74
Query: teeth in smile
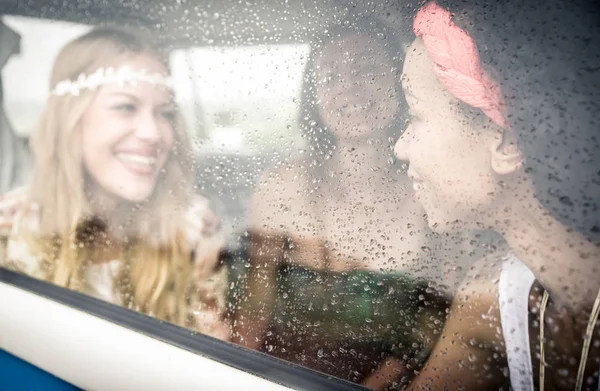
352,110
356,108
138,159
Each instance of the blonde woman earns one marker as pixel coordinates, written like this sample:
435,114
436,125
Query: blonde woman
111,210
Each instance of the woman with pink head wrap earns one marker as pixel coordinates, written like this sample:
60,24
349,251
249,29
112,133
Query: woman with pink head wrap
504,136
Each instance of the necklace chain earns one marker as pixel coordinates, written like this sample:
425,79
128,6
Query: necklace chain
586,342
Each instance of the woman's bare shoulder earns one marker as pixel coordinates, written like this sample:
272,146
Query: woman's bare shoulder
476,299
482,277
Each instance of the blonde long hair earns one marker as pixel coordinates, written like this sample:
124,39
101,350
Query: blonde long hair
157,258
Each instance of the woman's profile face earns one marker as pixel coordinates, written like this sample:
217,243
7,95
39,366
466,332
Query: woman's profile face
127,135
356,87
449,156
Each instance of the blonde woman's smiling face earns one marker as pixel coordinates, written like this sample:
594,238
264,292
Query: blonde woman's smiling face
127,135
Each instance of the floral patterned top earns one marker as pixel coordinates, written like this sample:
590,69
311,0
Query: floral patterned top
206,290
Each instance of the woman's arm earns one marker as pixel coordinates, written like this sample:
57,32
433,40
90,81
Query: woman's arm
15,251
10,204
207,305
469,354
274,197
207,290
255,309
459,360
203,232
389,372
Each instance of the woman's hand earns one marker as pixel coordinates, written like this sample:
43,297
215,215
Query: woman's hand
389,373
202,228
208,304
209,322
100,280
201,221
10,204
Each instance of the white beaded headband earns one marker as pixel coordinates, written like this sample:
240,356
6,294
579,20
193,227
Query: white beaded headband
122,76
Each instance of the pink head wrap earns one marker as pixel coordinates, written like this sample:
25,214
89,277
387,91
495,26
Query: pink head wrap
456,62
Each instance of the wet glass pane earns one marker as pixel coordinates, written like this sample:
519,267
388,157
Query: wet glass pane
398,195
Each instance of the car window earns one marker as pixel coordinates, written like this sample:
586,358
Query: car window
301,274
393,195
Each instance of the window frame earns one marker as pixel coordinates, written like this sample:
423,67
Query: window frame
241,361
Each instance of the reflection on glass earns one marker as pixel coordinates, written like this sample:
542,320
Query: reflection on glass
110,210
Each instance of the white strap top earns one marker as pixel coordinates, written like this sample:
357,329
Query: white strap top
515,284
514,287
